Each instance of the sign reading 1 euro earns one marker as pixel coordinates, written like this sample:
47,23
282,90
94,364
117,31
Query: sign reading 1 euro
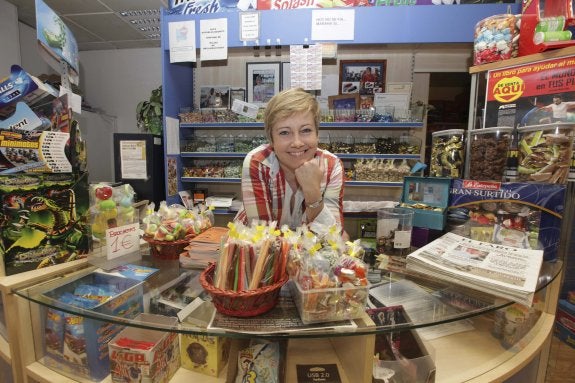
122,240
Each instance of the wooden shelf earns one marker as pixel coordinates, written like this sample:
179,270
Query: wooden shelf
547,55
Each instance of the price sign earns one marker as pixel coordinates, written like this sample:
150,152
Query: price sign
122,240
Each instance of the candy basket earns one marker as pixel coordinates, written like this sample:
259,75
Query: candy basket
241,303
167,249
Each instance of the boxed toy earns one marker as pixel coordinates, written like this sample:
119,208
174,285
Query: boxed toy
204,353
143,355
524,215
78,345
43,220
169,300
429,198
399,355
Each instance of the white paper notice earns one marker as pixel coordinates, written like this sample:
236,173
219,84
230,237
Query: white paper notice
214,39
172,136
182,38
249,26
334,24
305,66
133,159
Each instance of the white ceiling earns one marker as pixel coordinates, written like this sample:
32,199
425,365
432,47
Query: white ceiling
98,24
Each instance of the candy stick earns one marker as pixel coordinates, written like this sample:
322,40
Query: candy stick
241,270
249,260
259,268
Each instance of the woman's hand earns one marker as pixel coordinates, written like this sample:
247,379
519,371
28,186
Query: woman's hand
309,176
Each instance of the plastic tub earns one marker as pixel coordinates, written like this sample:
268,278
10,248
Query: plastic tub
488,153
447,153
545,152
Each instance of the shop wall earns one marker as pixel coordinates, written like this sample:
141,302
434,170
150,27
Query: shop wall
114,81
32,62
9,44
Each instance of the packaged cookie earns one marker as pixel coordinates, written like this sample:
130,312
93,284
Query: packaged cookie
488,151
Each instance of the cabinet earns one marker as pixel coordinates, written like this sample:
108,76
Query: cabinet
475,355
179,78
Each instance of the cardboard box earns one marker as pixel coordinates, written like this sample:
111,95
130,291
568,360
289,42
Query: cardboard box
155,365
566,315
44,220
564,334
78,345
399,355
204,354
524,215
429,199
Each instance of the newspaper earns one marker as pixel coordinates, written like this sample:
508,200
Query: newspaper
283,318
503,271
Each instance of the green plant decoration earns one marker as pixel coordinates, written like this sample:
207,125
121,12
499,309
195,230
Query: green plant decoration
149,113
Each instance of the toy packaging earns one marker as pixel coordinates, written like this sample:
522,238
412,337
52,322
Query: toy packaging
565,322
204,354
43,220
524,215
145,356
77,345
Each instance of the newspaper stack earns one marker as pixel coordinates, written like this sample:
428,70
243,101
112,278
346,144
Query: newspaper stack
502,271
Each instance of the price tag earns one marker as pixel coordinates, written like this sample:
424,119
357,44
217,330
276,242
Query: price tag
122,240
402,239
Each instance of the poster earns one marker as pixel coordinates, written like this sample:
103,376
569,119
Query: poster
533,94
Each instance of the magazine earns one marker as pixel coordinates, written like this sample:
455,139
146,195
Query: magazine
283,318
502,271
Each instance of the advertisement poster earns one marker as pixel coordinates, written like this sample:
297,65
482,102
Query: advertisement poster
538,93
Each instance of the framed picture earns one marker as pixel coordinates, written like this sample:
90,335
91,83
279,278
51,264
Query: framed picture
237,94
262,81
344,101
362,76
286,75
215,96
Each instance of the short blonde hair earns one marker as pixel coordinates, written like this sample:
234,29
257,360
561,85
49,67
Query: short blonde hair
288,103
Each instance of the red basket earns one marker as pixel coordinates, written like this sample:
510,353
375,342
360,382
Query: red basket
241,303
167,249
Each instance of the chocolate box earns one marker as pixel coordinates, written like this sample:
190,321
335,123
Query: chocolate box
524,215
204,353
78,345
153,365
43,220
429,198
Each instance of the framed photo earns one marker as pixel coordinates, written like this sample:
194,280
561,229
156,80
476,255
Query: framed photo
286,75
215,96
263,81
362,76
237,94
344,101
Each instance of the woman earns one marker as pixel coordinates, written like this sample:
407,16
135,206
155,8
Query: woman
290,180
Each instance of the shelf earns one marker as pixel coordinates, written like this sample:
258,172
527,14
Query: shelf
340,155
238,180
547,55
327,125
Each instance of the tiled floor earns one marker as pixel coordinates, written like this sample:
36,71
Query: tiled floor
561,363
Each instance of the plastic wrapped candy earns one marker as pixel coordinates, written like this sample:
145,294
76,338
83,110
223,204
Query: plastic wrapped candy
496,38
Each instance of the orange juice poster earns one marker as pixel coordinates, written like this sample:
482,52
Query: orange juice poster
533,94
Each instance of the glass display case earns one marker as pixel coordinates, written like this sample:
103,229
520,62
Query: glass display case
470,335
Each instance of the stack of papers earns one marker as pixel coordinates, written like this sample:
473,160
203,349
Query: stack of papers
204,248
503,271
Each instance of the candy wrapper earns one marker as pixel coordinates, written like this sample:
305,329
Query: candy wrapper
175,222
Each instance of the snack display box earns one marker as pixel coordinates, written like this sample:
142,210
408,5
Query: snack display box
429,198
327,305
565,322
524,215
143,355
78,345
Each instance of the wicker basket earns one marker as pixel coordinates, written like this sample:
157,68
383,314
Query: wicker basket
241,303
167,249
